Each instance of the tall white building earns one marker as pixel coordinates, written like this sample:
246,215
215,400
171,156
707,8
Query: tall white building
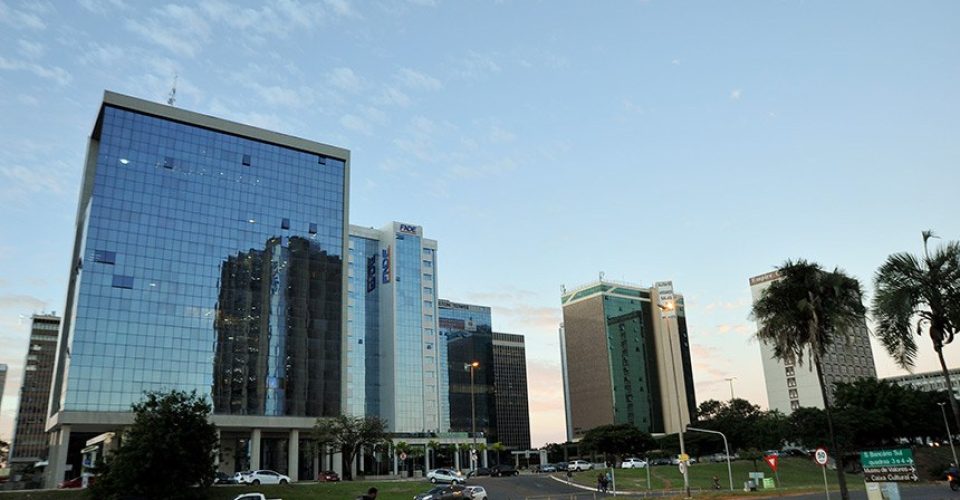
395,366
791,386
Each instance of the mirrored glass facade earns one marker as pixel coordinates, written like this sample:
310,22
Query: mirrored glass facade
467,334
207,261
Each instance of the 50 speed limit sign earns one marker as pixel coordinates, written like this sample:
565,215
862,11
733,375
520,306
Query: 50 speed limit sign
820,456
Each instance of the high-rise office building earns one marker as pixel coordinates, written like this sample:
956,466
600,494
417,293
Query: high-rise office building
510,383
30,438
3,380
791,386
467,336
208,256
393,353
624,362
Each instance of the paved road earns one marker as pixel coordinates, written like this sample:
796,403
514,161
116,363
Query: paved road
541,487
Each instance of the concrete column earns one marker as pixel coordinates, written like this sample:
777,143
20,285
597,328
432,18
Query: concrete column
293,456
216,456
396,463
337,465
353,467
485,459
316,466
57,457
426,457
456,459
324,458
255,449
516,460
360,460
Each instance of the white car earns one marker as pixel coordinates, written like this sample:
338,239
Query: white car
265,477
476,492
445,476
579,465
633,463
253,496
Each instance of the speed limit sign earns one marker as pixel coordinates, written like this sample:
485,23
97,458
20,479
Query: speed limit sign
820,456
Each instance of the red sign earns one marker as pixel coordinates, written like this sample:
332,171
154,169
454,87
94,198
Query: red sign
772,461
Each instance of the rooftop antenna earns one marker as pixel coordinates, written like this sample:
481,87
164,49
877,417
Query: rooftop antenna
172,98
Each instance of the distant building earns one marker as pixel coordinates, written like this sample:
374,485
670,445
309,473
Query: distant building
394,355
510,383
791,386
3,380
623,362
30,439
465,330
929,381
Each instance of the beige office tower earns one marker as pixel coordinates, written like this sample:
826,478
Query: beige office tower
792,386
623,362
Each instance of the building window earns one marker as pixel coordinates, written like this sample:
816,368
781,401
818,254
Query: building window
322,160
285,224
427,253
313,229
167,162
105,257
428,304
427,277
428,264
794,405
793,394
791,382
790,371
120,281
246,160
427,290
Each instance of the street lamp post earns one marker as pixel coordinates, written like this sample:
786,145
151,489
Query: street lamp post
725,447
473,412
666,309
731,379
949,437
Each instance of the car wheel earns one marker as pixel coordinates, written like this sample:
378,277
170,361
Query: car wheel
433,480
255,482
517,473
454,482
283,481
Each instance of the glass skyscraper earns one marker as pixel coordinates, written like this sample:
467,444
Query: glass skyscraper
468,335
208,257
393,355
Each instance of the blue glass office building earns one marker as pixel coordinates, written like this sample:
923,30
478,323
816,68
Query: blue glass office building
468,337
393,353
208,256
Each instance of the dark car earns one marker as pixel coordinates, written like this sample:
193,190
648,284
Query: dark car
224,478
545,468
504,470
446,492
661,461
328,476
481,471
561,466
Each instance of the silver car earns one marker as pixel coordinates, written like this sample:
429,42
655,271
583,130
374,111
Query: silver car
476,492
445,476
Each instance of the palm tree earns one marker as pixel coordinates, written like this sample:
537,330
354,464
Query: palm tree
434,445
926,291
497,447
802,313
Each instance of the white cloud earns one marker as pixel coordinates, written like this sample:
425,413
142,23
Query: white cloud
500,136
54,73
341,8
417,80
30,50
355,123
22,178
181,30
476,65
735,94
392,96
22,19
346,79
675,62
103,6
424,3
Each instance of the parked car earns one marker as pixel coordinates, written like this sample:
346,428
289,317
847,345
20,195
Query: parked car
224,478
476,492
253,496
265,477
480,471
579,465
661,461
546,468
445,476
504,470
241,476
447,492
328,476
633,463
76,482
561,466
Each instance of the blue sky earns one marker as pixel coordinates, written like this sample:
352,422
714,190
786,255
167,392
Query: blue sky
539,142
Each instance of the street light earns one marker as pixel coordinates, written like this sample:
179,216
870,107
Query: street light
725,447
949,437
731,379
473,411
665,310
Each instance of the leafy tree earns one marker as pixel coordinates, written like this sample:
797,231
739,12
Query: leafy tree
350,435
744,424
802,314
497,448
925,291
4,451
619,440
168,452
434,445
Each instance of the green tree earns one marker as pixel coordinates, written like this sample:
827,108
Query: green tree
168,452
619,440
497,448
350,435
801,314
433,445
924,292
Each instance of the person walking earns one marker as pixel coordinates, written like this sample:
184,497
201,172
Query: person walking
600,479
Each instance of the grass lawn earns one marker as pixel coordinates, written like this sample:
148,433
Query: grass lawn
796,473
392,490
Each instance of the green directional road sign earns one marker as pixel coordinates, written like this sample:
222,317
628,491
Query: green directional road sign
886,458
